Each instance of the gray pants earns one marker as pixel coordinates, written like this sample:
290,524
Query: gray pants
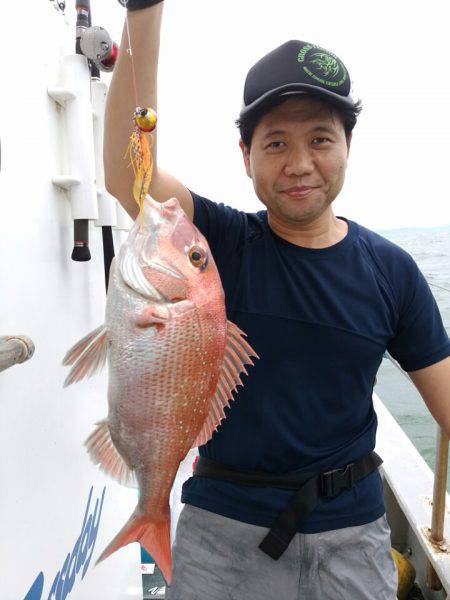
217,558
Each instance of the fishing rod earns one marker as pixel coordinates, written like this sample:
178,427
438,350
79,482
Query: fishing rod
80,250
101,52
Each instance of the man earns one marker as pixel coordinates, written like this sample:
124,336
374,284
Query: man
321,298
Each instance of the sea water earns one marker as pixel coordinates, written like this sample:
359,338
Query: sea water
430,248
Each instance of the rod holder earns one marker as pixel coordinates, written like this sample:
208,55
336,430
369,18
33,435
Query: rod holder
107,214
73,93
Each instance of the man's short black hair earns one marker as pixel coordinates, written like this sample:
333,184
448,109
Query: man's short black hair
248,124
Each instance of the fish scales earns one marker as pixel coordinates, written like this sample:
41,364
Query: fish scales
170,374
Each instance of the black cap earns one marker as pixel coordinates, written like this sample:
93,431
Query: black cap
297,67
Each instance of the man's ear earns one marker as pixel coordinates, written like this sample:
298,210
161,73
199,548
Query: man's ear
246,157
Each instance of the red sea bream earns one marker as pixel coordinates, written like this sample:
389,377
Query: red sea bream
173,360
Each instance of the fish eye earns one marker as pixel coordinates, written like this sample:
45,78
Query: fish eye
198,257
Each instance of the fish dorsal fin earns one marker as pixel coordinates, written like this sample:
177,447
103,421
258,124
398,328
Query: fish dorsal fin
237,353
103,453
87,357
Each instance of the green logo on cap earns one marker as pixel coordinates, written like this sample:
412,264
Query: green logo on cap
322,66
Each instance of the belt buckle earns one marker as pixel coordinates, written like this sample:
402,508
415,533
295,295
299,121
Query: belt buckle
333,482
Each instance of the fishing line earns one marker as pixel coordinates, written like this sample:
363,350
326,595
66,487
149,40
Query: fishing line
439,286
130,53
139,148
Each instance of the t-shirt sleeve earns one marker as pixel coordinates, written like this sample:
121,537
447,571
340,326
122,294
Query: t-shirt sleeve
421,338
224,227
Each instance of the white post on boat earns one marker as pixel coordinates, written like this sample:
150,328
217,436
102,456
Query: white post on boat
107,214
14,349
73,94
110,212
438,514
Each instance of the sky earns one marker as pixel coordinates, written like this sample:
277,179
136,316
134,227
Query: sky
396,54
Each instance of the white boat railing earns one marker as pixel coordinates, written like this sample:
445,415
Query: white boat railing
14,349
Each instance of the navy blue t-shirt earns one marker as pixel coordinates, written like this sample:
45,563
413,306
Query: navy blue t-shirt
320,321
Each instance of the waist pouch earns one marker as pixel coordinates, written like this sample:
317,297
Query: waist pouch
310,487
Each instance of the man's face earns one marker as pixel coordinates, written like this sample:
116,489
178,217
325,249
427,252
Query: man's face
298,143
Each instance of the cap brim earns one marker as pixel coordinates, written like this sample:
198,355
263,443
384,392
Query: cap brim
298,88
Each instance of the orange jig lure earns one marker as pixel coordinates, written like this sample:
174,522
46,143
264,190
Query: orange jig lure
139,151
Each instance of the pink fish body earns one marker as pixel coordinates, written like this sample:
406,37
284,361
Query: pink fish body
173,360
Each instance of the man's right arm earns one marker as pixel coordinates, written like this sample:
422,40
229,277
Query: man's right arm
145,27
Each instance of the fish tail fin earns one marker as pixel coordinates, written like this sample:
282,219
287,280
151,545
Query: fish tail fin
156,540
153,535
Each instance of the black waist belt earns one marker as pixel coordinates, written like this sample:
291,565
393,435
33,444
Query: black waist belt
310,487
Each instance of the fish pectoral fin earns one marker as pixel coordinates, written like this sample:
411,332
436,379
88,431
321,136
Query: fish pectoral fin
102,452
237,353
153,315
88,356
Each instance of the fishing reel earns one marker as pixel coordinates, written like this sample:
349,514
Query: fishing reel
97,46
